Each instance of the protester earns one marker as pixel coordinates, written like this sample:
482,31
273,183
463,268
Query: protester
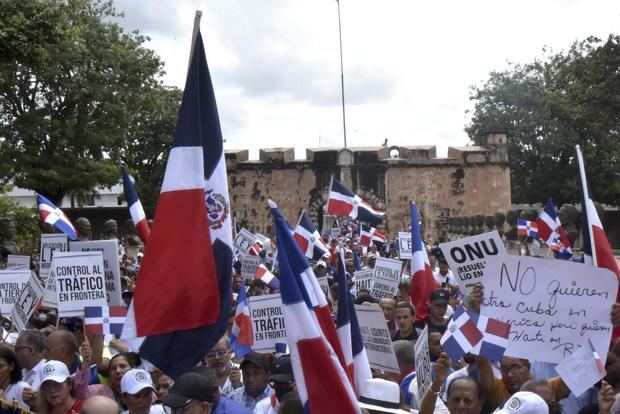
190,394
544,390
219,358
255,372
388,305
55,396
525,402
29,350
291,404
404,351
162,385
404,291
99,404
438,305
137,393
220,404
462,399
62,345
381,396
444,276
120,364
405,318
11,385
282,381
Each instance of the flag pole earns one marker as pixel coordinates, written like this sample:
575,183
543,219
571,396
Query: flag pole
195,31
584,187
344,122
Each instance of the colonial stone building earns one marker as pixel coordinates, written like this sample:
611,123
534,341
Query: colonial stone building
471,180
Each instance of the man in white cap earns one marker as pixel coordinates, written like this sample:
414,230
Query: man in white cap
381,396
525,402
137,393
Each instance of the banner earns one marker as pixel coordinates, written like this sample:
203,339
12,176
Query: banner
249,264
386,277
17,262
423,366
111,267
404,245
467,257
363,279
80,281
267,322
553,306
376,338
50,243
244,241
26,302
12,283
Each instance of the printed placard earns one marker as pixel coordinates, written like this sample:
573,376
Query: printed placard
467,257
80,281
26,302
404,245
376,338
249,264
50,243
17,262
386,277
423,366
244,241
109,250
553,306
50,299
12,283
363,279
267,322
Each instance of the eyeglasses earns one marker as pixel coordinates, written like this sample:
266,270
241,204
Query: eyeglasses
511,369
217,354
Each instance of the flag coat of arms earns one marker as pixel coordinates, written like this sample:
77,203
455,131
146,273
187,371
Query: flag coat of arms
54,216
461,335
343,202
104,320
182,301
527,228
138,217
308,238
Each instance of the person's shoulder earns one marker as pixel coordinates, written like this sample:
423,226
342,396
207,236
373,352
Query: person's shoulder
233,407
157,409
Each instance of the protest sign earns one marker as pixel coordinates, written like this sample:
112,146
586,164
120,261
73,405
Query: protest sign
324,284
249,264
80,281
363,279
50,243
553,306
579,370
467,257
376,338
404,245
49,292
266,242
30,295
334,232
11,284
111,267
244,241
267,322
423,367
17,262
386,277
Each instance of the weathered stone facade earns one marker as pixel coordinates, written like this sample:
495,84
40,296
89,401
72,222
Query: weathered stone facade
471,180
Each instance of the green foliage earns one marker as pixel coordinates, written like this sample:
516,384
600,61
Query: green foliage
26,221
548,107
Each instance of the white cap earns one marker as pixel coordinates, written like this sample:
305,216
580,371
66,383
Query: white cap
380,395
135,380
54,371
525,402
321,263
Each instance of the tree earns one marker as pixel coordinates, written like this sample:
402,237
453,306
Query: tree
69,81
25,219
548,107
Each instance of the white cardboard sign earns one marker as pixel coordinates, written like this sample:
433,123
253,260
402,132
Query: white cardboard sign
267,322
109,250
26,302
467,257
386,277
553,306
404,245
249,264
244,241
363,279
376,338
50,243
12,283
423,366
17,262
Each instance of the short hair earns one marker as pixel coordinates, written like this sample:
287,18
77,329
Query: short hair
34,338
466,379
405,305
404,284
404,351
443,261
9,356
69,339
530,385
291,403
132,358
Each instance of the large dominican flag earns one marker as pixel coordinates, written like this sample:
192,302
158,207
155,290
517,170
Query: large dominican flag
308,238
322,382
369,235
135,207
422,280
596,248
343,202
54,216
358,367
182,301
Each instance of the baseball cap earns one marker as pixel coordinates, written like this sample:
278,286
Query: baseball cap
441,296
281,369
135,380
54,371
256,358
321,263
525,402
189,386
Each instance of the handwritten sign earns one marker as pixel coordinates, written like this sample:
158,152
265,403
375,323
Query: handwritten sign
249,264
386,277
244,241
17,262
80,281
376,338
11,284
363,279
109,250
27,300
423,367
579,371
267,322
50,243
467,257
553,306
404,245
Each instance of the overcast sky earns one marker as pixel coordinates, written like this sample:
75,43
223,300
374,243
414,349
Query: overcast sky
408,65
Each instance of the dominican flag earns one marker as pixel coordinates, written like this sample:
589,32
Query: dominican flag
370,235
597,359
54,216
356,259
263,274
461,335
308,238
181,303
104,320
322,382
596,248
550,230
135,207
343,202
422,280
527,228
358,367
241,336
495,335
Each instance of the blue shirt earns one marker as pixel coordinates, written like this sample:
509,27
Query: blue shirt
228,406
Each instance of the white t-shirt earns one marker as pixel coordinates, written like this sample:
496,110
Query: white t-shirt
14,392
448,278
33,376
266,406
